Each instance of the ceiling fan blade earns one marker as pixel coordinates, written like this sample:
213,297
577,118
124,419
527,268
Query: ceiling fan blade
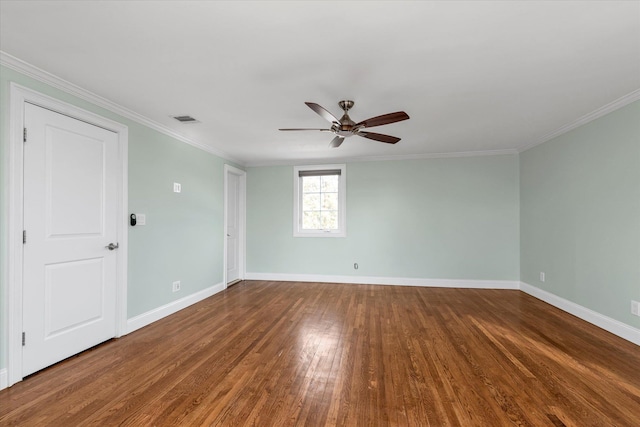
385,119
335,142
379,137
321,130
322,112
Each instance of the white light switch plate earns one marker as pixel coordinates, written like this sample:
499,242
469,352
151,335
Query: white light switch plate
141,219
177,187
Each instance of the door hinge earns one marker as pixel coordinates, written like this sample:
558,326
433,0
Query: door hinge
24,338
24,236
24,134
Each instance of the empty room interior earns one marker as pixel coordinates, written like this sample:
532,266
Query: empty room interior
322,213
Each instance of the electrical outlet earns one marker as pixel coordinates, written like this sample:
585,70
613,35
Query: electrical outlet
142,219
542,276
176,286
635,308
177,187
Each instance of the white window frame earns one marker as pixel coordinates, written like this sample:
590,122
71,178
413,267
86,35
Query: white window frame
342,202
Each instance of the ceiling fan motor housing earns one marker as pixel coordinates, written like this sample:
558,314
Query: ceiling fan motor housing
345,127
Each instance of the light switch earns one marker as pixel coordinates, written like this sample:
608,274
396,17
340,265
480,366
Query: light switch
141,218
177,187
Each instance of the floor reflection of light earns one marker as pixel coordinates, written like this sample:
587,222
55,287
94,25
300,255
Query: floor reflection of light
317,345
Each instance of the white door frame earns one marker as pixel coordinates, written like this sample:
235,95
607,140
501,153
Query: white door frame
20,95
242,202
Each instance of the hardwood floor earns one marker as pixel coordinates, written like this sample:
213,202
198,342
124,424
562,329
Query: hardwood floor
277,354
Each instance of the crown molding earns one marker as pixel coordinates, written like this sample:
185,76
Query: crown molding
43,76
595,114
298,162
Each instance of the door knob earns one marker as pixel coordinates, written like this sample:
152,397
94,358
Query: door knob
111,246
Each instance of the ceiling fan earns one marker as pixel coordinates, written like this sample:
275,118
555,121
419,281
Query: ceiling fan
345,127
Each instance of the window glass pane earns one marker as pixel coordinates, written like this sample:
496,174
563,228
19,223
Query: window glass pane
318,201
329,220
311,220
329,201
311,184
329,183
311,202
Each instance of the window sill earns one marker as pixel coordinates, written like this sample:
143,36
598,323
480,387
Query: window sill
319,234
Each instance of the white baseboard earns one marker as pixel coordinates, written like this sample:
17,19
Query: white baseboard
156,314
401,281
616,327
3,379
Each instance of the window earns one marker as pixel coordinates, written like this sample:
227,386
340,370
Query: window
319,208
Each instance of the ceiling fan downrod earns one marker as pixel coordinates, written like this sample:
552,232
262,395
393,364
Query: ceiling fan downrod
345,127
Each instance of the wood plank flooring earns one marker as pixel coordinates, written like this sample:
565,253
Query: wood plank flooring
312,354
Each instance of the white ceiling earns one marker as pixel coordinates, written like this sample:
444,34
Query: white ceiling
475,76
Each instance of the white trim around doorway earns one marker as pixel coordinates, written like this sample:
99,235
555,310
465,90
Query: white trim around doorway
242,207
19,95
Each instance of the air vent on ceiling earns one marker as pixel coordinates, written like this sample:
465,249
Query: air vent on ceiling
185,119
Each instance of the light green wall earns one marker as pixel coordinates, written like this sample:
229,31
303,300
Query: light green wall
580,214
453,218
183,238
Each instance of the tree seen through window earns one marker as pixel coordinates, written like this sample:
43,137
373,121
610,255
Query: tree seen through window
320,202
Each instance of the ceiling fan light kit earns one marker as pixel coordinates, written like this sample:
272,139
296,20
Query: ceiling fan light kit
345,127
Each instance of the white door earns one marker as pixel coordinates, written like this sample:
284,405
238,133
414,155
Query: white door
233,227
70,214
